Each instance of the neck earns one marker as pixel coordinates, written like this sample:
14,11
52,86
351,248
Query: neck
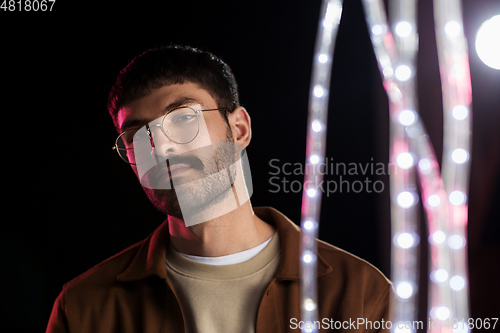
236,231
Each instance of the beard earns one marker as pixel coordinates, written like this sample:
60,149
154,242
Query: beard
213,176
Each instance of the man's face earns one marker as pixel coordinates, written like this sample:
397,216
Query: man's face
192,174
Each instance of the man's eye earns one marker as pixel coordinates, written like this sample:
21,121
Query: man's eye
184,118
137,136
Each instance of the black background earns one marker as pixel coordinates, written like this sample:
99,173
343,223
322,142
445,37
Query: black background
71,202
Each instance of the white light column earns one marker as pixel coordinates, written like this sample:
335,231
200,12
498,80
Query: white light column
457,97
315,153
437,202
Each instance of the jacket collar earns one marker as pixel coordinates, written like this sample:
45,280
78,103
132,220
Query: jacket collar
151,258
290,233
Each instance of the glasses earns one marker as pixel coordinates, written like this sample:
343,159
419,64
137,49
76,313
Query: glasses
180,125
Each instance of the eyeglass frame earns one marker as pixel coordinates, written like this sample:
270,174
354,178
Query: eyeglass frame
115,147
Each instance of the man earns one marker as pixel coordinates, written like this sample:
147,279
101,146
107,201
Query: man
216,264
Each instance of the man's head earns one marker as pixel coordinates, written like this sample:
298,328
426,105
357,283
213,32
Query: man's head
158,83
169,65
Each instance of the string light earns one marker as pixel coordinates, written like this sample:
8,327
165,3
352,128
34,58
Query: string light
405,199
403,29
402,329
442,215
388,72
307,257
318,91
405,240
314,159
309,225
377,29
452,28
460,112
456,242
403,117
442,313
311,192
424,164
433,200
404,290
457,198
405,160
316,141
438,237
451,45
316,126
309,305
407,117
457,283
439,275
459,156
456,87
403,73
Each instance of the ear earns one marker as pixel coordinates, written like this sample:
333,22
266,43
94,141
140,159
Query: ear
239,120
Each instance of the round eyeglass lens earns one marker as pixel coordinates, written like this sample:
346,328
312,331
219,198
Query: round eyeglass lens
181,125
134,146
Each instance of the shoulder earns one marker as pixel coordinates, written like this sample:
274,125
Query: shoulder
347,264
106,272
333,262
365,289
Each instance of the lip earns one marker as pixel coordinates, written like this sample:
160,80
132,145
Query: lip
171,172
177,169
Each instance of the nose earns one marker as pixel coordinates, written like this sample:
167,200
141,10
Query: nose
162,146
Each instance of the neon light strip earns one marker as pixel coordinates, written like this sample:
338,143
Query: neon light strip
404,219
398,78
315,153
440,215
457,97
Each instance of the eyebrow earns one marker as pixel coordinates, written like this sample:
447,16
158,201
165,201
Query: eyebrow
181,101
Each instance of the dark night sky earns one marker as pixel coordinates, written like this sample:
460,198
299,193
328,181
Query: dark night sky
73,203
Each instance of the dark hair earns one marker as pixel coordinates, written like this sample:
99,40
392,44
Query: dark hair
174,64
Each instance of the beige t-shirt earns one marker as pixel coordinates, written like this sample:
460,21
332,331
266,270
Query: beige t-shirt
222,298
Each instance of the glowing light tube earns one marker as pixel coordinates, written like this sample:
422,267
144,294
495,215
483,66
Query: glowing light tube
331,12
446,210
403,110
395,57
457,97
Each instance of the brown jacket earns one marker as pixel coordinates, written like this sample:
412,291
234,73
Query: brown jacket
129,292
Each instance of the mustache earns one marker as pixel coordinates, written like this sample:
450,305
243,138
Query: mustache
193,161
151,176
